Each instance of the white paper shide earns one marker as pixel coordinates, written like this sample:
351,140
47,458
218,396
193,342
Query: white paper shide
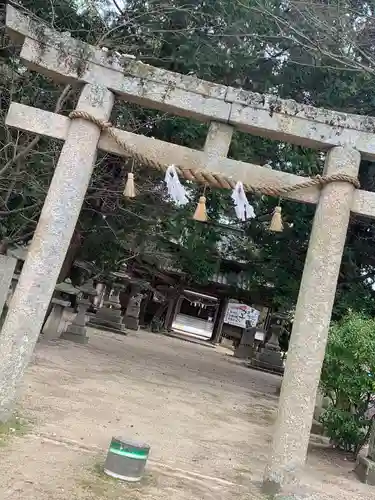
175,189
244,210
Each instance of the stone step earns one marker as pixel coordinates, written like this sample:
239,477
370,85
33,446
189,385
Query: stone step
107,326
76,330
74,337
115,315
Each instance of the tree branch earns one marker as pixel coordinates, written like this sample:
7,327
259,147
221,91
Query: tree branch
24,152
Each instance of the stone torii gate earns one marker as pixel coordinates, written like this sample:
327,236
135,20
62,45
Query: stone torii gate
345,137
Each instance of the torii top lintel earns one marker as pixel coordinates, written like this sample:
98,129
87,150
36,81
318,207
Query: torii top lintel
67,59
70,60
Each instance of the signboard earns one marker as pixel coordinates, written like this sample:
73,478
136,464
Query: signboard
259,336
238,314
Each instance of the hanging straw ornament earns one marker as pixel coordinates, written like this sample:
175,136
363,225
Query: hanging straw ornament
242,207
129,190
276,225
201,212
175,189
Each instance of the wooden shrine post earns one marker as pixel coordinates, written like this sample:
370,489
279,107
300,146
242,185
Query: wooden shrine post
346,137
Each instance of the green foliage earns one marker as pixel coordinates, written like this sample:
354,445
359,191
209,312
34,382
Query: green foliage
348,380
346,430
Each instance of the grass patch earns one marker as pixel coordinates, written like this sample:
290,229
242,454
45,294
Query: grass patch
15,426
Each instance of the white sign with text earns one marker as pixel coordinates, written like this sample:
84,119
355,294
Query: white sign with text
238,314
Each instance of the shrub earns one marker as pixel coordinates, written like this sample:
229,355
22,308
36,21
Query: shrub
348,380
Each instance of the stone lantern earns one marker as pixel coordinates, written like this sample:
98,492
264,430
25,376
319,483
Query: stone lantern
77,331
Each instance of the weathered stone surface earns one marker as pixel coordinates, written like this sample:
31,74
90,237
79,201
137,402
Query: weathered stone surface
64,58
364,203
305,131
131,318
68,288
245,348
269,358
108,318
52,329
114,298
311,322
49,245
20,26
131,323
365,470
77,331
76,336
317,428
7,267
218,139
158,95
321,404
371,444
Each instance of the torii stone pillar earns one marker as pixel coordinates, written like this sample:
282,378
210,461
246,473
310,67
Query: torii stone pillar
50,244
311,323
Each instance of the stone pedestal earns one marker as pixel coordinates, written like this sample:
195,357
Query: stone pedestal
109,316
245,349
321,404
270,359
77,331
131,318
108,319
52,329
365,469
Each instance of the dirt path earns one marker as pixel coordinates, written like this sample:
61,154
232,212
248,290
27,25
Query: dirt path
208,422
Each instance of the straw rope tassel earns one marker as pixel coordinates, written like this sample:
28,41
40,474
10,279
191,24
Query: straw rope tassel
200,213
129,191
276,225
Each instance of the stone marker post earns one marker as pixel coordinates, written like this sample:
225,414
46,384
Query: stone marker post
50,243
311,322
131,317
371,444
365,468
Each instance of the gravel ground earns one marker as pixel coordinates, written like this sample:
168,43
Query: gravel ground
208,421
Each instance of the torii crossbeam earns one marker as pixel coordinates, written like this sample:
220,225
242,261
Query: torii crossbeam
345,137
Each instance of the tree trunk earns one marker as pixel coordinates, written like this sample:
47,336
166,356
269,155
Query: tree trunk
70,257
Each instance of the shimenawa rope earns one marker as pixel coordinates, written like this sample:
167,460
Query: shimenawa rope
211,178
